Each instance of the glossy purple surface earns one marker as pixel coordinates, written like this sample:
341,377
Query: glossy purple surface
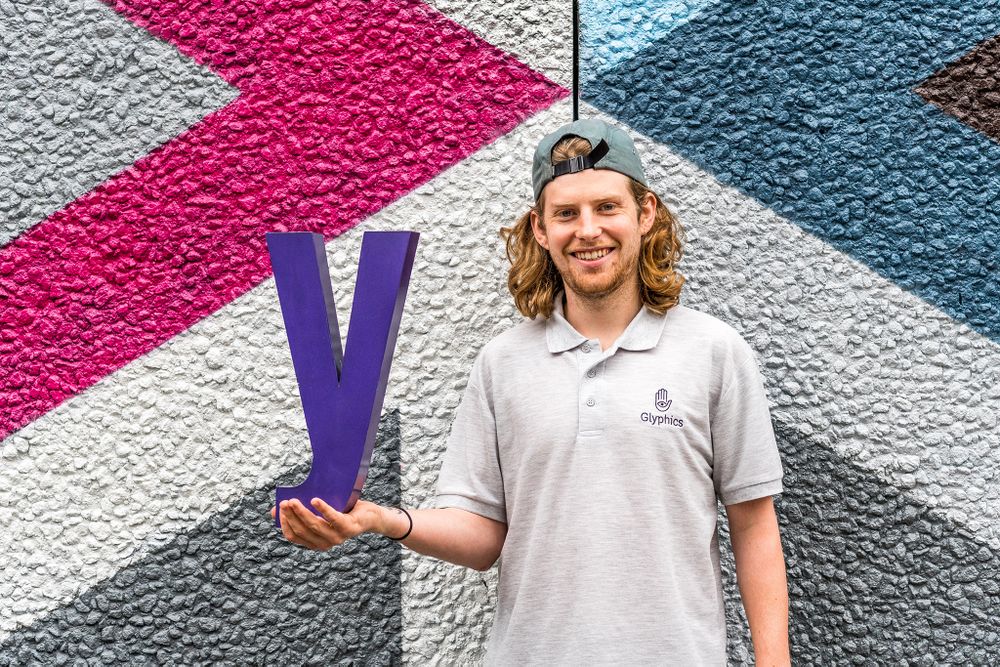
342,388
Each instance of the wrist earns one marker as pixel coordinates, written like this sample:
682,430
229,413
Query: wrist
393,522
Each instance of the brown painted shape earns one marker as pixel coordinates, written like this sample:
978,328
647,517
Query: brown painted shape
969,88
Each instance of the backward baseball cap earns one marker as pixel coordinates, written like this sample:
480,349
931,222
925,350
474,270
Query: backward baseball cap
610,148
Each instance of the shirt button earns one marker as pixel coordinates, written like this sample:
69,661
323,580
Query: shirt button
590,402
586,347
591,373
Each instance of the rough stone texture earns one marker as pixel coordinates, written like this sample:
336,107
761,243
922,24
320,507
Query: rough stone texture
84,93
886,406
189,428
536,32
233,591
875,576
850,359
613,31
457,302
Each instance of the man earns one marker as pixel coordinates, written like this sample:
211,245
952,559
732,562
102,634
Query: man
595,439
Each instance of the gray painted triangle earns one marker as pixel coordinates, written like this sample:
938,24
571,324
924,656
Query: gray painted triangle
875,577
233,591
85,93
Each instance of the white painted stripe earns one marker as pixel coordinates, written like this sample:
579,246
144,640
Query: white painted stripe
194,425
181,433
878,375
539,33
861,366
86,93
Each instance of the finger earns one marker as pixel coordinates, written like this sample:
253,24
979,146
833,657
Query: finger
293,528
309,518
273,511
310,527
343,526
334,517
286,527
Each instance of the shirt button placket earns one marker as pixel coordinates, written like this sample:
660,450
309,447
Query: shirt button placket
589,420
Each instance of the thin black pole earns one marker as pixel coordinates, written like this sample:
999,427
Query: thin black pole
576,60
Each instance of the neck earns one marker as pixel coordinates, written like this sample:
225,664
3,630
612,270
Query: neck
604,317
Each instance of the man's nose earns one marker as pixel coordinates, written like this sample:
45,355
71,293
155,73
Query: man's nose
589,226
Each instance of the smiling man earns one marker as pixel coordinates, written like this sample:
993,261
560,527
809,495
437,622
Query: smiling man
596,439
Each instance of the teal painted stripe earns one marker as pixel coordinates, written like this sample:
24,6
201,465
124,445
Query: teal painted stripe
613,32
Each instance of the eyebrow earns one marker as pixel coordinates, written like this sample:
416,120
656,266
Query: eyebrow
600,200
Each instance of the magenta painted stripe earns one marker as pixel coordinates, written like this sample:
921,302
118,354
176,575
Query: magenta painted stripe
345,105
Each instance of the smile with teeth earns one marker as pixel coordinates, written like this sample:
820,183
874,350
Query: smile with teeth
590,255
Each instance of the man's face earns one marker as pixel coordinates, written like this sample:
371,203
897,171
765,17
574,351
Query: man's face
592,230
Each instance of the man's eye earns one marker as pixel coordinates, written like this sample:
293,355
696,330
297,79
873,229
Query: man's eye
607,207
564,213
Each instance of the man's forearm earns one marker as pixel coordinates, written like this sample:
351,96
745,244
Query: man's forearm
760,572
451,534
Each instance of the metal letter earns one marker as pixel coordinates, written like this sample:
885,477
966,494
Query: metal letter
342,390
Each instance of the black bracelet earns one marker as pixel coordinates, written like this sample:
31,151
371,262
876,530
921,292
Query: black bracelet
408,531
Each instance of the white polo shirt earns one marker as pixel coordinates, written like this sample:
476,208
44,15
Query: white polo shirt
606,467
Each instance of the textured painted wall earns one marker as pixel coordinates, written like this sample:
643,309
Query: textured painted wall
231,590
848,228
835,166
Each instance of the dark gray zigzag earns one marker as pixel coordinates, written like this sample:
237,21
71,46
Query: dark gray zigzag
233,591
875,578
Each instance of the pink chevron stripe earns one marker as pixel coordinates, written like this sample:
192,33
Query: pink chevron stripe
345,106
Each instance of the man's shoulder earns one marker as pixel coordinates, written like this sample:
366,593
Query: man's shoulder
687,323
518,339
510,353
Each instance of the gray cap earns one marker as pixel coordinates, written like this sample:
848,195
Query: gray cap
617,153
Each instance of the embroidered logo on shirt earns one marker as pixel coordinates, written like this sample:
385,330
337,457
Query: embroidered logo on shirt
662,402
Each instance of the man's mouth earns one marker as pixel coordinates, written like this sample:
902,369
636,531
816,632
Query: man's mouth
590,255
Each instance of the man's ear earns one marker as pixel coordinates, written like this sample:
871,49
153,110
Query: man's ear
538,229
647,213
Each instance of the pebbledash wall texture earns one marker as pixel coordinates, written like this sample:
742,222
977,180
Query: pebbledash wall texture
836,165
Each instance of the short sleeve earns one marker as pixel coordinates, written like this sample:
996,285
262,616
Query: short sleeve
746,463
470,477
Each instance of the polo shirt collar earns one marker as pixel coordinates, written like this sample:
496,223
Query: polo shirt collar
642,333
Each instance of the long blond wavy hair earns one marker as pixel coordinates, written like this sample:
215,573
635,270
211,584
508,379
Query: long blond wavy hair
534,281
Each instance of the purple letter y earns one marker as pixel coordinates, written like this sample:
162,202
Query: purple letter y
342,390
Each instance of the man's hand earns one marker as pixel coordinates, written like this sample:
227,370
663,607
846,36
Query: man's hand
301,526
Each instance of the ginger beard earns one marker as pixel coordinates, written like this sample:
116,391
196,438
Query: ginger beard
618,272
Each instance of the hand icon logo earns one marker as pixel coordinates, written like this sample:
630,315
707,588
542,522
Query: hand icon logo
662,402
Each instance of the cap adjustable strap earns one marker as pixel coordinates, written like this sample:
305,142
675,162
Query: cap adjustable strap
581,162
